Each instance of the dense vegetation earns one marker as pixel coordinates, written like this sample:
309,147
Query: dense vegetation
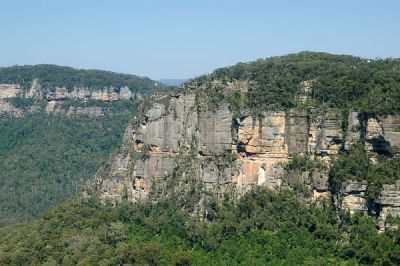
51,76
43,157
356,165
263,228
336,81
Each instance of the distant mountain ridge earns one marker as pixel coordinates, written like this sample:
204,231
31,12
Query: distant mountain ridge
51,86
51,76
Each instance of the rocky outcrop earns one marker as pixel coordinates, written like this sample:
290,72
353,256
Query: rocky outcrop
353,132
58,108
375,141
177,126
182,137
383,134
10,91
262,149
389,205
168,128
214,130
35,91
325,135
106,94
305,90
297,130
352,197
7,108
92,111
56,96
125,93
391,129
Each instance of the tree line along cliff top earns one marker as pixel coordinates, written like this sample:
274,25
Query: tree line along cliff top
338,81
319,79
51,76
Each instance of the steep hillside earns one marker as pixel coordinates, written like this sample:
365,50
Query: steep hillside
67,90
57,125
217,138
44,158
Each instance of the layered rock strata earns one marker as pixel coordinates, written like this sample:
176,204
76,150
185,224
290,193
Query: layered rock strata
261,146
389,205
61,93
179,137
55,97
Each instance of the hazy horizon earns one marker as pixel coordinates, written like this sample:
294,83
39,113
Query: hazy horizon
181,40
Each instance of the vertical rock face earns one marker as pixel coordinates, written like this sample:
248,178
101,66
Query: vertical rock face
7,108
222,150
214,130
56,96
305,89
124,93
375,141
324,142
93,111
169,128
80,93
262,149
353,130
325,137
176,139
61,93
264,135
352,197
9,90
35,91
297,131
383,134
389,203
391,129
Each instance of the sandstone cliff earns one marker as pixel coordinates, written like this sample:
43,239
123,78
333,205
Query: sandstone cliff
177,138
55,97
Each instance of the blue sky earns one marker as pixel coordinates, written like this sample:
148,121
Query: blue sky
187,38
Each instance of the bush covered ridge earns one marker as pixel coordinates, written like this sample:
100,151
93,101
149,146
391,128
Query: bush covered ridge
51,76
338,81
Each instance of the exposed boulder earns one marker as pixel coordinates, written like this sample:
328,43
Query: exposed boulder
35,91
124,93
375,142
353,133
7,108
352,196
389,204
10,90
